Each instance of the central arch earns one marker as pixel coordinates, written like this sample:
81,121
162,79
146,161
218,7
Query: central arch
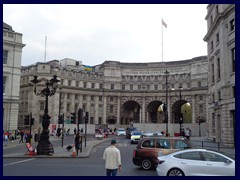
130,112
152,109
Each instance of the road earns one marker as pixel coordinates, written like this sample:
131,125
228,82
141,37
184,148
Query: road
92,166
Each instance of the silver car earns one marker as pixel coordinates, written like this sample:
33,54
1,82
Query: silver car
196,162
121,131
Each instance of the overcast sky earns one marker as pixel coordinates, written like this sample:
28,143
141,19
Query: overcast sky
95,33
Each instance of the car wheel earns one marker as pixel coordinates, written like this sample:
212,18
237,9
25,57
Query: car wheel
175,172
146,164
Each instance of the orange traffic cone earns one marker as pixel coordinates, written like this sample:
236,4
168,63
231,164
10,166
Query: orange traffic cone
74,153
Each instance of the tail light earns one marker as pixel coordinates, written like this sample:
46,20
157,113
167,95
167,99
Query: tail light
160,161
134,152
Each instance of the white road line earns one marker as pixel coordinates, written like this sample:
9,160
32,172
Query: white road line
18,162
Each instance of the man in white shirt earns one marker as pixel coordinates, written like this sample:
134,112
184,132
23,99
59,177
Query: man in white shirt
112,156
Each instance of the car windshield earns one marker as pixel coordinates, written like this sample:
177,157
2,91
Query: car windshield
121,129
136,133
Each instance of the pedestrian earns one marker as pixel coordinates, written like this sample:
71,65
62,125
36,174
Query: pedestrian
112,157
77,141
22,135
75,131
68,131
187,133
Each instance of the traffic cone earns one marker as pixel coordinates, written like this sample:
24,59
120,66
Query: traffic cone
31,153
74,153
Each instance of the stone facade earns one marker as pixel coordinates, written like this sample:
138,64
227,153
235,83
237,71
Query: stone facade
12,55
221,59
119,94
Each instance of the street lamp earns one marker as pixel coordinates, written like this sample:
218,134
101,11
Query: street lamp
166,112
44,146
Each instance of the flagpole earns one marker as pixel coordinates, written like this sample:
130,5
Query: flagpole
162,43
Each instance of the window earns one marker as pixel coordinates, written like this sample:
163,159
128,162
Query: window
112,86
213,97
100,98
148,143
217,38
123,87
163,87
5,56
85,84
233,91
200,108
4,83
100,86
93,85
68,107
219,96
199,84
155,87
92,98
77,63
208,156
200,97
69,82
77,83
148,87
76,107
139,87
219,68
68,96
76,97
233,59
213,123
111,98
111,109
131,87
84,97
189,155
232,25
211,46
212,73
180,145
163,143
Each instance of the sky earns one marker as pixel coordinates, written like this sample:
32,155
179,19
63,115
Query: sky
94,33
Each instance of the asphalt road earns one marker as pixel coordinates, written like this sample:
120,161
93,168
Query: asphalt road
92,166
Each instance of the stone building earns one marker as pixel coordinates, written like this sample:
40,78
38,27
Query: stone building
221,64
12,55
119,94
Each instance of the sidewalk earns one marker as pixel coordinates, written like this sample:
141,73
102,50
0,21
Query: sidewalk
61,152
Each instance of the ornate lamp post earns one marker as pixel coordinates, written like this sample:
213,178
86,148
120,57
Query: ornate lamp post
44,146
166,105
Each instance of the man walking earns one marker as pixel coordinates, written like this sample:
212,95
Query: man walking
112,156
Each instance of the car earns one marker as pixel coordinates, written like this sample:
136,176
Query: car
196,162
150,134
136,136
121,131
129,131
149,148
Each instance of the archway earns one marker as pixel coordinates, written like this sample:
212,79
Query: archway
130,112
111,120
181,109
152,110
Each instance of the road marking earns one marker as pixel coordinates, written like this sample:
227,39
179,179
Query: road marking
18,162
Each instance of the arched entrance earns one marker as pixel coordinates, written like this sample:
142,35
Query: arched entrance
130,112
111,120
181,109
152,110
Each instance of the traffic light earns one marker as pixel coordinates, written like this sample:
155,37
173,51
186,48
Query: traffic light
26,120
60,119
32,121
80,116
86,117
73,118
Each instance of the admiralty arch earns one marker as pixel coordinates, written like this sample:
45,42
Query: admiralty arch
118,94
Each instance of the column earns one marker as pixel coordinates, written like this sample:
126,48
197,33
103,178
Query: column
118,110
104,109
193,109
143,110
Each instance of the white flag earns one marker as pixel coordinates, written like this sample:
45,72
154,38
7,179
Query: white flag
164,24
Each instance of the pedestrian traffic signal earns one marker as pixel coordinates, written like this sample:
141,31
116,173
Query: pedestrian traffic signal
86,117
73,118
26,120
60,119
181,118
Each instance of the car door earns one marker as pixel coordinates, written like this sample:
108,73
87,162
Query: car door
218,165
191,163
